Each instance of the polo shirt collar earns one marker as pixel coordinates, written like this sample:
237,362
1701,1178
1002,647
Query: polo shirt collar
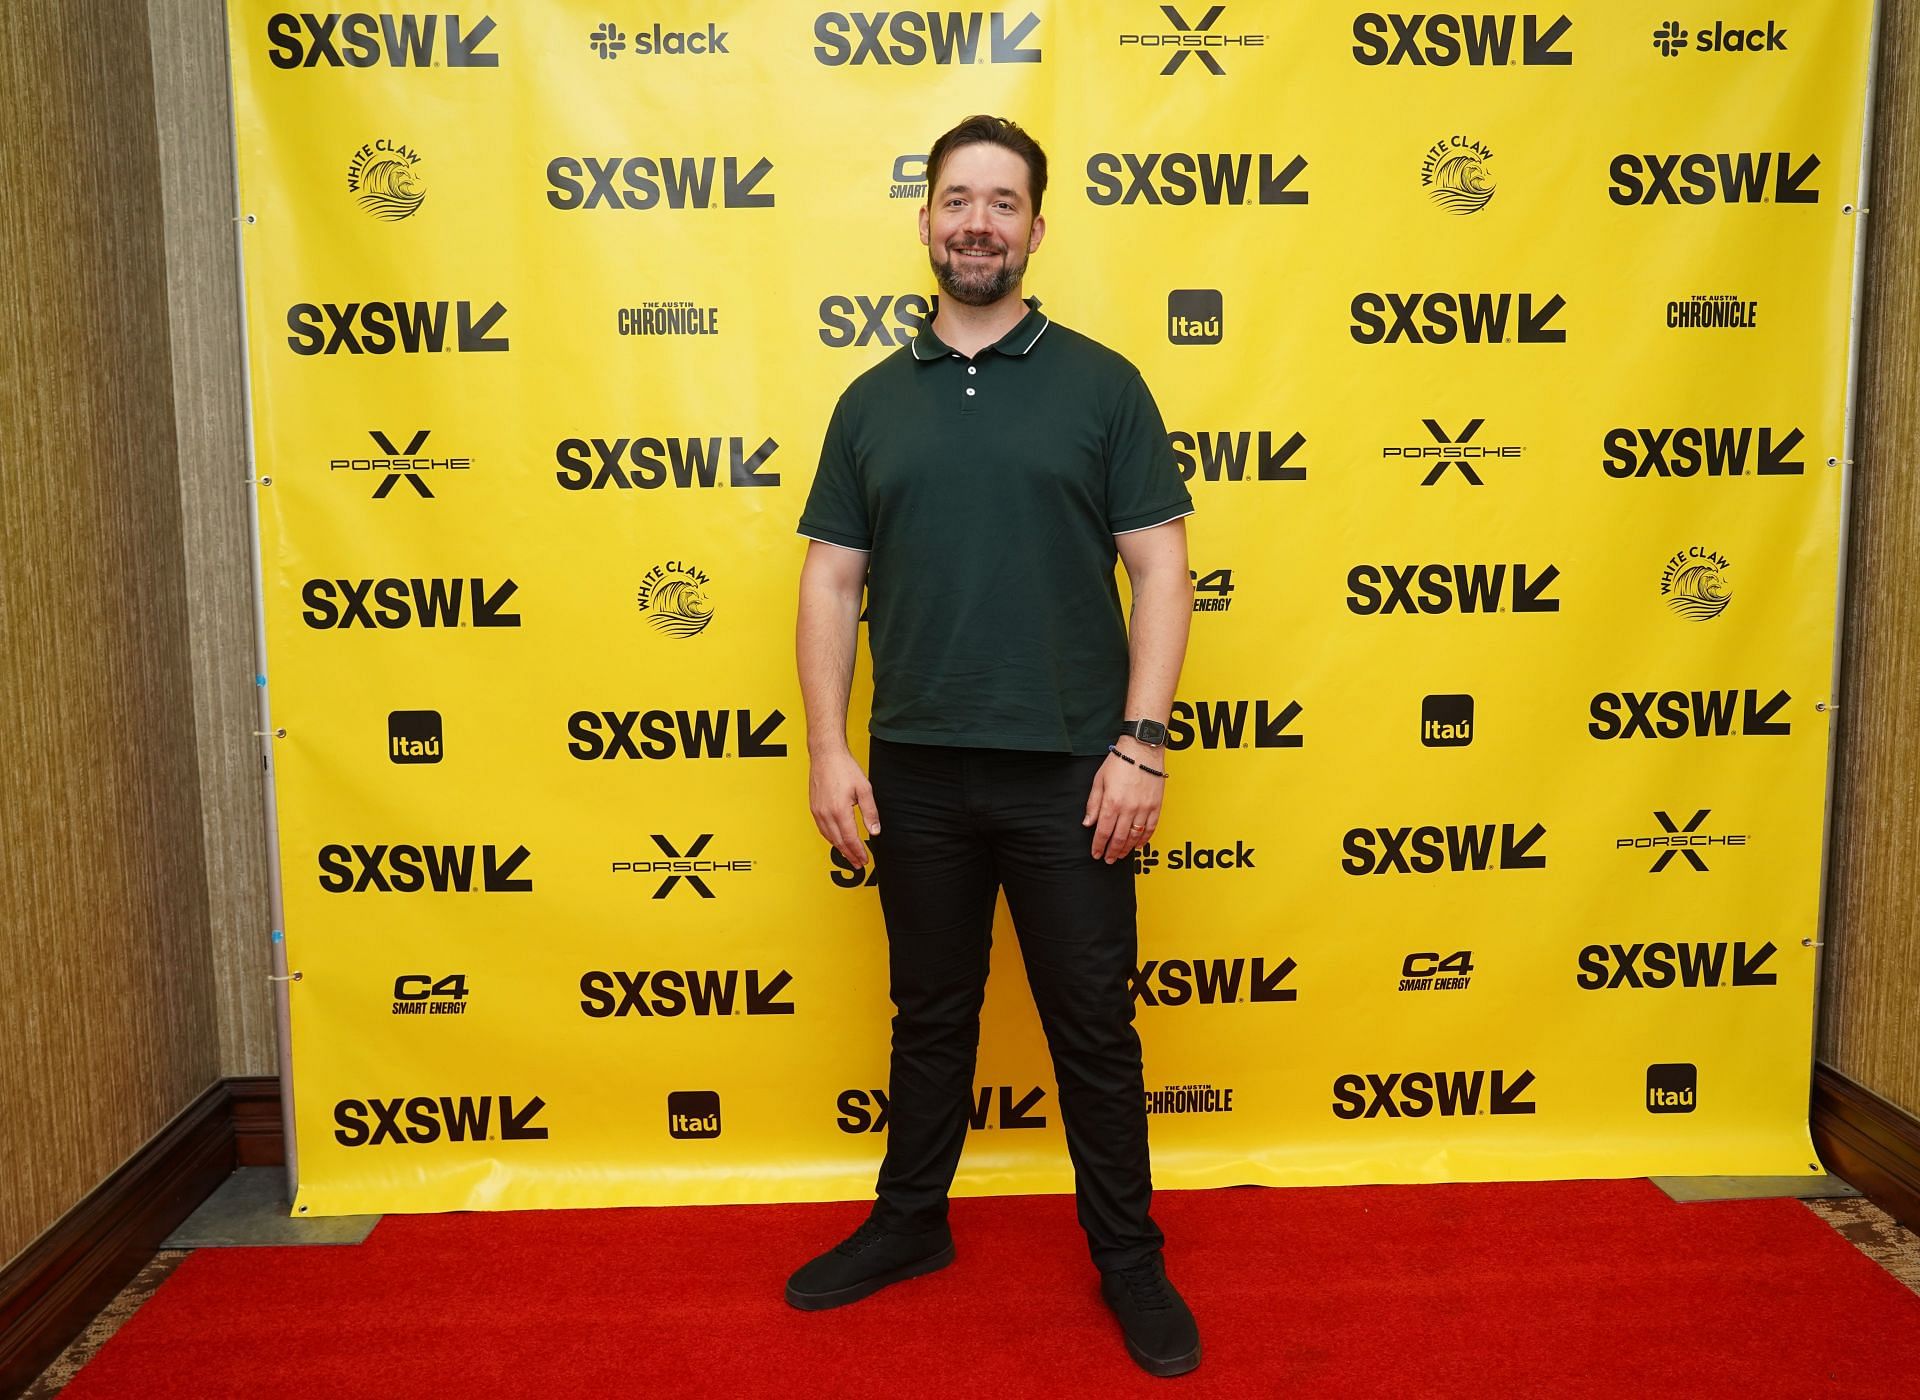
1018,341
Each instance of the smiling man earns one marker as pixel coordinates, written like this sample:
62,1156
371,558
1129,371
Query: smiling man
979,484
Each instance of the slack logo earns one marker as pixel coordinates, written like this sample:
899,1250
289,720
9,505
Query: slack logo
413,736
693,1113
1672,1088
1195,317
1446,721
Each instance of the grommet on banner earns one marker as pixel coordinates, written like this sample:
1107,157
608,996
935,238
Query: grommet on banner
1820,707
259,481
278,733
1810,943
290,977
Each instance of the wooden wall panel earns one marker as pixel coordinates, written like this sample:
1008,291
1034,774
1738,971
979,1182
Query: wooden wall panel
1870,1015
194,117
107,1025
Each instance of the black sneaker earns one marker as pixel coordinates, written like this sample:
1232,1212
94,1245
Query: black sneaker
1156,1322
865,1262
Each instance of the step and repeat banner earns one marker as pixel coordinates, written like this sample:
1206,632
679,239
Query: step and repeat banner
1504,354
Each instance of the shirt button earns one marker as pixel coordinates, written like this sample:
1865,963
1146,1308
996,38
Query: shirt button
973,369
969,392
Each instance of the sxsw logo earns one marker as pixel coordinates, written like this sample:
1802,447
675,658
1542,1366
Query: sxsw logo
885,320
1179,178
648,463
1223,724
1446,721
609,734
1440,318
1440,41
907,37
1379,590
1211,981
1672,1088
649,182
1605,967
421,1120
393,603
693,1113
405,869
1430,850
1417,1093
413,736
1225,455
849,876
1686,714
361,40
381,327
1195,317
1691,451
865,1110
1729,177
696,993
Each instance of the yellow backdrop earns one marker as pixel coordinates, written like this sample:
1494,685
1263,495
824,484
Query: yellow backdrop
1506,354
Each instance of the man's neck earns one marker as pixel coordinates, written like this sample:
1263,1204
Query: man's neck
971,329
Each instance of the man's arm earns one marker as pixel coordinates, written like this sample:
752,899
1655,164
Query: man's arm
827,634
1124,806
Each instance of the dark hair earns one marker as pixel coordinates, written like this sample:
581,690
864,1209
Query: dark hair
993,131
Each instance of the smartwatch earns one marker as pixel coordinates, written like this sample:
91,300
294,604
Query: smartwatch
1150,732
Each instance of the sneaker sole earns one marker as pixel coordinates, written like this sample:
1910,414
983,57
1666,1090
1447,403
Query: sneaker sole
1178,1366
840,1297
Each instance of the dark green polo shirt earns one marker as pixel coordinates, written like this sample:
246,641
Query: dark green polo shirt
988,493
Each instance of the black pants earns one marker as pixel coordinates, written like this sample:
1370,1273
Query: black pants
956,824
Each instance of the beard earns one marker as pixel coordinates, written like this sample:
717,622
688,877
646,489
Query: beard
977,286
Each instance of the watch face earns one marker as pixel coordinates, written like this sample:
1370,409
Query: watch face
1150,731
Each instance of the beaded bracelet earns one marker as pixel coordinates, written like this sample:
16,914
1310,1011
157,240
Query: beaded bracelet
1141,766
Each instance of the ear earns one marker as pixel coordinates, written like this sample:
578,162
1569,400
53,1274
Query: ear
1039,232
924,230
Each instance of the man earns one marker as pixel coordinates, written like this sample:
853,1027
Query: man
979,482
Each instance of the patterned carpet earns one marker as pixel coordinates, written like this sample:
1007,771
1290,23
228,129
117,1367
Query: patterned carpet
1863,1224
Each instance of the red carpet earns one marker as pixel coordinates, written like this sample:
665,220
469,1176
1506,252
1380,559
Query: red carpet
1586,1288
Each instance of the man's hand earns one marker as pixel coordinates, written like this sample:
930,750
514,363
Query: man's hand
1124,806
834,785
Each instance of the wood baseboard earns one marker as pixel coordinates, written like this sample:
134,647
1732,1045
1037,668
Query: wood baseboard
53,1290
1866,1141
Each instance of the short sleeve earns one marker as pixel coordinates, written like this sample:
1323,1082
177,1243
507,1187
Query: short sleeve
836,509
1143,484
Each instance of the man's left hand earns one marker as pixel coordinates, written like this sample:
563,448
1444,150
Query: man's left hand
1123,807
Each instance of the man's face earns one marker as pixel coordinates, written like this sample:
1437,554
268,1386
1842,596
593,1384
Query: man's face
979,225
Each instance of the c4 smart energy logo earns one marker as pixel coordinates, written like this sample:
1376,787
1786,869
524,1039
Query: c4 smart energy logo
424,994
673,599
384,178
1432,972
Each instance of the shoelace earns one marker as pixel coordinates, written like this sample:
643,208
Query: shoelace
860,1239
1148,1286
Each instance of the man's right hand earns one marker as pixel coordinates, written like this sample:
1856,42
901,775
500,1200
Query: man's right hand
835,784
